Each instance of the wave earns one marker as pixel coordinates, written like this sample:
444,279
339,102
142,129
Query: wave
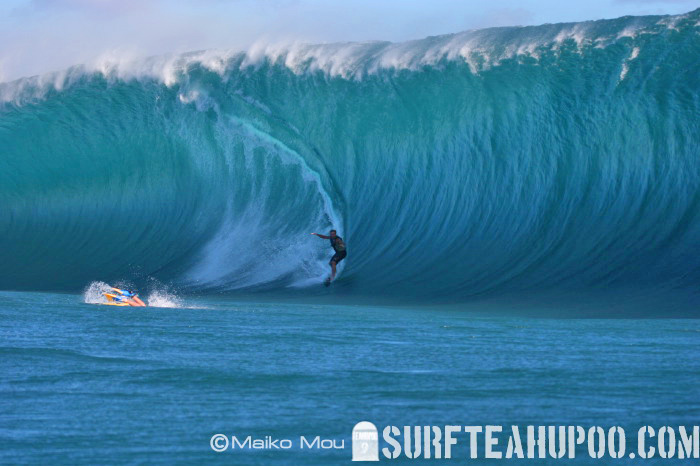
505,160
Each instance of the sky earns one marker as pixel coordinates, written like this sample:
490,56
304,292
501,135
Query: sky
38,36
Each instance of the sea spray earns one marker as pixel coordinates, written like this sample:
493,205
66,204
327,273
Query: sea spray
164,298
95,293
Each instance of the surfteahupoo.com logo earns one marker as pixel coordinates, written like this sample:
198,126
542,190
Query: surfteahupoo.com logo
487,441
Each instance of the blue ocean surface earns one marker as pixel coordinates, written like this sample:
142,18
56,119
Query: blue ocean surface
86,384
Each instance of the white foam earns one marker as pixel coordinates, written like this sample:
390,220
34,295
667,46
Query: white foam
188,97
625,65
625,70
634,54
672,21
94,293
578,33
164,298
630,31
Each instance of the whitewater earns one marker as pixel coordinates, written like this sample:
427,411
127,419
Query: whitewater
513,161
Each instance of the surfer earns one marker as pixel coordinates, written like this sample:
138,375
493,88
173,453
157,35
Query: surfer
125,296
339,247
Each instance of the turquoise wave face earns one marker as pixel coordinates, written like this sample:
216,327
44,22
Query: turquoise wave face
511,160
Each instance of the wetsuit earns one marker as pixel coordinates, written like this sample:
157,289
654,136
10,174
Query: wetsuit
339,246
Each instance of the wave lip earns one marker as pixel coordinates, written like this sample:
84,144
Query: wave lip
352,60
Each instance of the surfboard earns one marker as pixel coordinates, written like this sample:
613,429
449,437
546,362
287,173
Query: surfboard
114,300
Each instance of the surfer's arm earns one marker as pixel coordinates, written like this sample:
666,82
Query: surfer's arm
321,236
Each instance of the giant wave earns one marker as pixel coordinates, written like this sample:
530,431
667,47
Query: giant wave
499,161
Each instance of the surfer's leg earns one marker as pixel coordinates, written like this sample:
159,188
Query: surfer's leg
337,257
332,270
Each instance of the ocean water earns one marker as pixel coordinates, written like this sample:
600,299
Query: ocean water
86,384
521,208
